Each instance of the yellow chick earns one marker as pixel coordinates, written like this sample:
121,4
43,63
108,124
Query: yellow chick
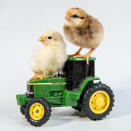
50,57
82,30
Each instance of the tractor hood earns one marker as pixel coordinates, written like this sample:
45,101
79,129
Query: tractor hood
48,81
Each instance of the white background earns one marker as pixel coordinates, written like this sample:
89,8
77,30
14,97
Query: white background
21,24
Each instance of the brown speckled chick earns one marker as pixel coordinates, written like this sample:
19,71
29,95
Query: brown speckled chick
82,30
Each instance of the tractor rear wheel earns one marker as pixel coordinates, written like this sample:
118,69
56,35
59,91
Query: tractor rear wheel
97,101
37,112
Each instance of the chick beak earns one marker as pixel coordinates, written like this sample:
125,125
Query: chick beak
41,38
67,18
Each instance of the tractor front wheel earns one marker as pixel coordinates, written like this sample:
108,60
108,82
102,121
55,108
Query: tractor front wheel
77,108
22,110
97,101
37,112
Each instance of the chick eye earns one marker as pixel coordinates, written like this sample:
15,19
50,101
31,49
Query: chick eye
82,17
75,16
49,37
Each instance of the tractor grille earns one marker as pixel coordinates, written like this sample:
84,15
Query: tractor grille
30,91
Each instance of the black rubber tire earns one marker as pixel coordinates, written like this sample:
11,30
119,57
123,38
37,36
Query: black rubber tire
22,110
86,97
77,108
46,116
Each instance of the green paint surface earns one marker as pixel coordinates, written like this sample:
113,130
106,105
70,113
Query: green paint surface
21,99
49,80
80,59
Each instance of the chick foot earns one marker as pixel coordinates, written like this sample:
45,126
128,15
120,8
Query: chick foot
37,77
86,55
76,53
83,56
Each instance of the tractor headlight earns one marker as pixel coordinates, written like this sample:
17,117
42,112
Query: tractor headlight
30,91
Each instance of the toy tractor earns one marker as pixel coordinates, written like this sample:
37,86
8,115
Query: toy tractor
75,87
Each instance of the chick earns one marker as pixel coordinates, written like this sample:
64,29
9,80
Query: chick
50,57
82,30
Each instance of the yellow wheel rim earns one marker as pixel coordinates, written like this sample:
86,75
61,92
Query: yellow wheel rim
99,102
36,111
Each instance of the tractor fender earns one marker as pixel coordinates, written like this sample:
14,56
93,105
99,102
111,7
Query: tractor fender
87,81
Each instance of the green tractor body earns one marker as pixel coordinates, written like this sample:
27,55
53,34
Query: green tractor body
54,91
73,88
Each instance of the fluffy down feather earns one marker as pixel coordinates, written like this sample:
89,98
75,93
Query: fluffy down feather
50,57
82,29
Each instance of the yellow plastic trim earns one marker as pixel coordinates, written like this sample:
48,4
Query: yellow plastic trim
99,102
36,111
46,83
